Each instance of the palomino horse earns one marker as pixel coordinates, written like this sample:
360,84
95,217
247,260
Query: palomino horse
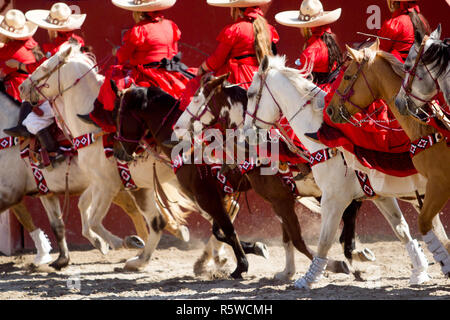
376,74
70,81
427,73
151,110
219,103
279,91
18,181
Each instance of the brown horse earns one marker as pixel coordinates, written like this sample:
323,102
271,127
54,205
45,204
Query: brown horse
374,74
146,110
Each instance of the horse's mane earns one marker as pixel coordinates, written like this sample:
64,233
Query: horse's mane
236,93
395,64
438,54
295,76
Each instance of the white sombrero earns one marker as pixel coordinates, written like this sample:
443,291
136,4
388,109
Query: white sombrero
310,15
58,18
14,25
237,3
144,5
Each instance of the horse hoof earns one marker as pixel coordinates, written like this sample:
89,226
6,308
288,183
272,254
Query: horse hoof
261,250
102,246
303,284
419,278
134,264
42,259
284,276
237,275
133,242
184,234
60,263
365,255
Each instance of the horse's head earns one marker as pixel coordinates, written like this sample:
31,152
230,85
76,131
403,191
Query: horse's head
131,127
57,75
427,60
278,91
206,106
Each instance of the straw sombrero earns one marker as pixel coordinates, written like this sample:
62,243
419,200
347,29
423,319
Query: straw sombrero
310,15
58,18
237,3
14,25
144,5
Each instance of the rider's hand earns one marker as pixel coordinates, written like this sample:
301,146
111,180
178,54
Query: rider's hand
12,63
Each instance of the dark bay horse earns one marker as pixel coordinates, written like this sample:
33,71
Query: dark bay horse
151,110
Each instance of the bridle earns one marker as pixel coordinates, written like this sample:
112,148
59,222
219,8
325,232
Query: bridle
412,75
349,92
203,110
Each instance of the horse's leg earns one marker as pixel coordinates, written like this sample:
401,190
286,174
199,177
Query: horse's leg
391,211
84,206
214,248
333,207
40,239
125,200
53,209
100,204
436,196
156,223
289,268
347,238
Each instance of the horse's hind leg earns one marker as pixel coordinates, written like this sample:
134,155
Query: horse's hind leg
391,211
41,242
53,209
347,238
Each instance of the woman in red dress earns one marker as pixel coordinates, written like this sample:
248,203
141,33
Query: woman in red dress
16,42
148,57
242,44
406,19
61,24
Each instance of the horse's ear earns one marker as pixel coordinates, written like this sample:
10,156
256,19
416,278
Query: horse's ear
354,54
436,34
375,46
66,52
264,64
418,37
115,89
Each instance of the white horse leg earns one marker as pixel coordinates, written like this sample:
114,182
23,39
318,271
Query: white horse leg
289,269
332,209
100,204
84,206
391,211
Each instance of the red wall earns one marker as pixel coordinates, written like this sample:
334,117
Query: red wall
200,24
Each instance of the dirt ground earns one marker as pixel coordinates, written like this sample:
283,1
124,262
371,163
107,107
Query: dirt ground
170,276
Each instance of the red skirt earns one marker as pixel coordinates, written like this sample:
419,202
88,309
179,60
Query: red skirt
12,83
174,83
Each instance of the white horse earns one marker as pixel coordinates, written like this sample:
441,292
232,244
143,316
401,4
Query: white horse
71,78
427,73
18,181
277,90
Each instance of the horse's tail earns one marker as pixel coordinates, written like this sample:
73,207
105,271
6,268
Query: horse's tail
171,201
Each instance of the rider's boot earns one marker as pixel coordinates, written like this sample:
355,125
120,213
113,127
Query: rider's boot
20,130
52,147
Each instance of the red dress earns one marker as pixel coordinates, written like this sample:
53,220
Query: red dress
52,47
316,53
144,46
235,52
20,50
399,27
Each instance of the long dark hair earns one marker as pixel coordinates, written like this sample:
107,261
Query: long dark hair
419,22
334,51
